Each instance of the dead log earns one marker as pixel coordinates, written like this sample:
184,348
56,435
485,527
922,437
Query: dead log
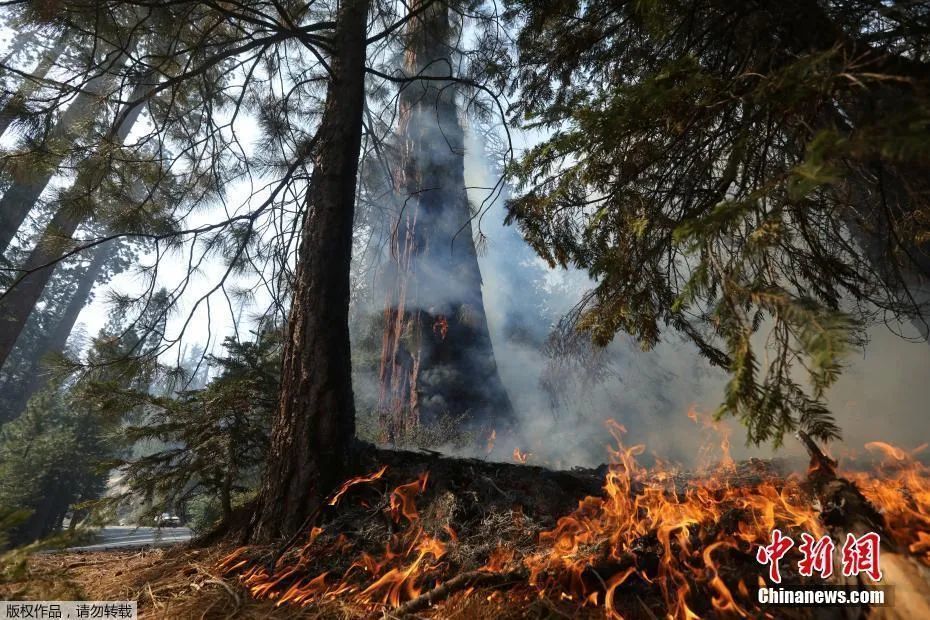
844,510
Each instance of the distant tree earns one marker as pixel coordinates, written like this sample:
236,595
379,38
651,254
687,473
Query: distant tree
14,102
56,458
52,321
55,242
52,459
212,442
722,167
58,115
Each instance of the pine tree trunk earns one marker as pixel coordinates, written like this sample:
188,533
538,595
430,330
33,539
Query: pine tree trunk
56,339
20,299
23,194
313,431
437,360
12,108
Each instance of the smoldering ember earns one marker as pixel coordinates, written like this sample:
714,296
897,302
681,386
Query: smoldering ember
464,309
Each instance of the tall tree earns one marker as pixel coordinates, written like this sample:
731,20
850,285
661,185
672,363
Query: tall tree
33,175
18,301
437,360
13,104
48,329
722,167
314,427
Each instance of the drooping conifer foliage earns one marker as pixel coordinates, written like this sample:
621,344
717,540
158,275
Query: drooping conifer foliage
753,175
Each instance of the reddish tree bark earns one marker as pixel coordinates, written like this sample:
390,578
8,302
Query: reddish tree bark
437,359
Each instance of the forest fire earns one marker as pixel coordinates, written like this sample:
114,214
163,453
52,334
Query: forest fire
683,551
353,286
900,490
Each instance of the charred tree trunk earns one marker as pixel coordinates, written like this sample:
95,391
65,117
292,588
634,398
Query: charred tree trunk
437,359
17,303
313,431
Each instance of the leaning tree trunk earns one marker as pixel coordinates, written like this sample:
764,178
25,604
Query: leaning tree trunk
13,106
437,360
55,340
313,431
17,303
23,194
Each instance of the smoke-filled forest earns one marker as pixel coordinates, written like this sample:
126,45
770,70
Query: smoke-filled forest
465,308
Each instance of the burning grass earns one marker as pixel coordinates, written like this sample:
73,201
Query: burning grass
453,534
419,535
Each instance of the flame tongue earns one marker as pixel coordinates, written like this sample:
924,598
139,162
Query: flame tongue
678,541
901,493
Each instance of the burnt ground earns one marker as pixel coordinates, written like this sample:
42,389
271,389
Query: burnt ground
476,509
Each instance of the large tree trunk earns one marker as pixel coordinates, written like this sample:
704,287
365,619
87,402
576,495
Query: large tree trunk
13,106
20,299
437,360
23,194
313,431
56,339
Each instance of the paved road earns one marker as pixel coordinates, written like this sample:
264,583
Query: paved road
130,536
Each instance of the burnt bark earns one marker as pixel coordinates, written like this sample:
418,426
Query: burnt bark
313,431
17,303
437,359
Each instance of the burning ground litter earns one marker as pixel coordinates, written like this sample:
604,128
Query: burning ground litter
468,538
418,535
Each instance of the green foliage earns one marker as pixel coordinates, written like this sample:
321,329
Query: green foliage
205,512
50,462
206,444
753,177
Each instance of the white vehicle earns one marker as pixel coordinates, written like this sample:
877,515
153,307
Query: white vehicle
167,520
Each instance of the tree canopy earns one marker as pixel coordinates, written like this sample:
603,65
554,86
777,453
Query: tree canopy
752,175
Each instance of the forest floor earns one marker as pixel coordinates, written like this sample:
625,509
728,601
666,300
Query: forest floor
419,536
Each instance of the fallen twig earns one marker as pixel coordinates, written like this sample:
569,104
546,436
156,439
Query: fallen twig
471,579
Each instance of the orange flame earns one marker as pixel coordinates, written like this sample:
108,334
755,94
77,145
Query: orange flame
348,484
629,513
402,499
687,532
441,327
901,493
